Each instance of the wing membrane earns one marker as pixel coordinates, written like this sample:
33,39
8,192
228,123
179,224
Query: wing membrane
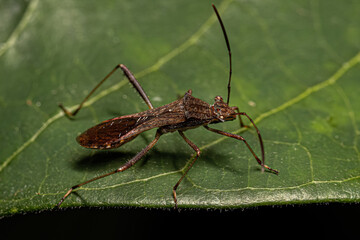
112,133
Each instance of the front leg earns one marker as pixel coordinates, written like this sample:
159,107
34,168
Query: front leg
238,137
242,125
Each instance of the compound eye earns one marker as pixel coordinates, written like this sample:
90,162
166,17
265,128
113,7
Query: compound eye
218,99
221,118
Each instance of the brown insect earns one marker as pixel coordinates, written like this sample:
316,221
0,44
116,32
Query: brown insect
183,114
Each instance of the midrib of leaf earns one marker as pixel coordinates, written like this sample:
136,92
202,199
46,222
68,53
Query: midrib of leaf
20,27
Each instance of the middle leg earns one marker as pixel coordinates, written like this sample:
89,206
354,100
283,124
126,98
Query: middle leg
197,150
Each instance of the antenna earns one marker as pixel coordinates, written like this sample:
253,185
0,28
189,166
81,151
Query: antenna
228,47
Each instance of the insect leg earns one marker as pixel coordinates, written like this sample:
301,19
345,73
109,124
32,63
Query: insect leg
127,165
238,137
259,135
241,121
136,85
197,150
131,79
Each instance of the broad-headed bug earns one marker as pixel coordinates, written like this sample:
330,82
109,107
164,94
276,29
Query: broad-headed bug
183,114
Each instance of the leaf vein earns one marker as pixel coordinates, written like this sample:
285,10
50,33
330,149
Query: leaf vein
20,27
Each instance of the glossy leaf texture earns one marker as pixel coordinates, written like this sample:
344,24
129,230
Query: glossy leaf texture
295,72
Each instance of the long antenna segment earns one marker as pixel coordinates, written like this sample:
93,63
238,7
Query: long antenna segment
228,47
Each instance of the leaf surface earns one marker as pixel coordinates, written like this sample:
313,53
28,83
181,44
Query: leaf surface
295,72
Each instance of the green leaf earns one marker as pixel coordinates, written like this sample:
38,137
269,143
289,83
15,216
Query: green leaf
295,72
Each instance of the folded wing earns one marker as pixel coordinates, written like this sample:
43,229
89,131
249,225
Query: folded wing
113,133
